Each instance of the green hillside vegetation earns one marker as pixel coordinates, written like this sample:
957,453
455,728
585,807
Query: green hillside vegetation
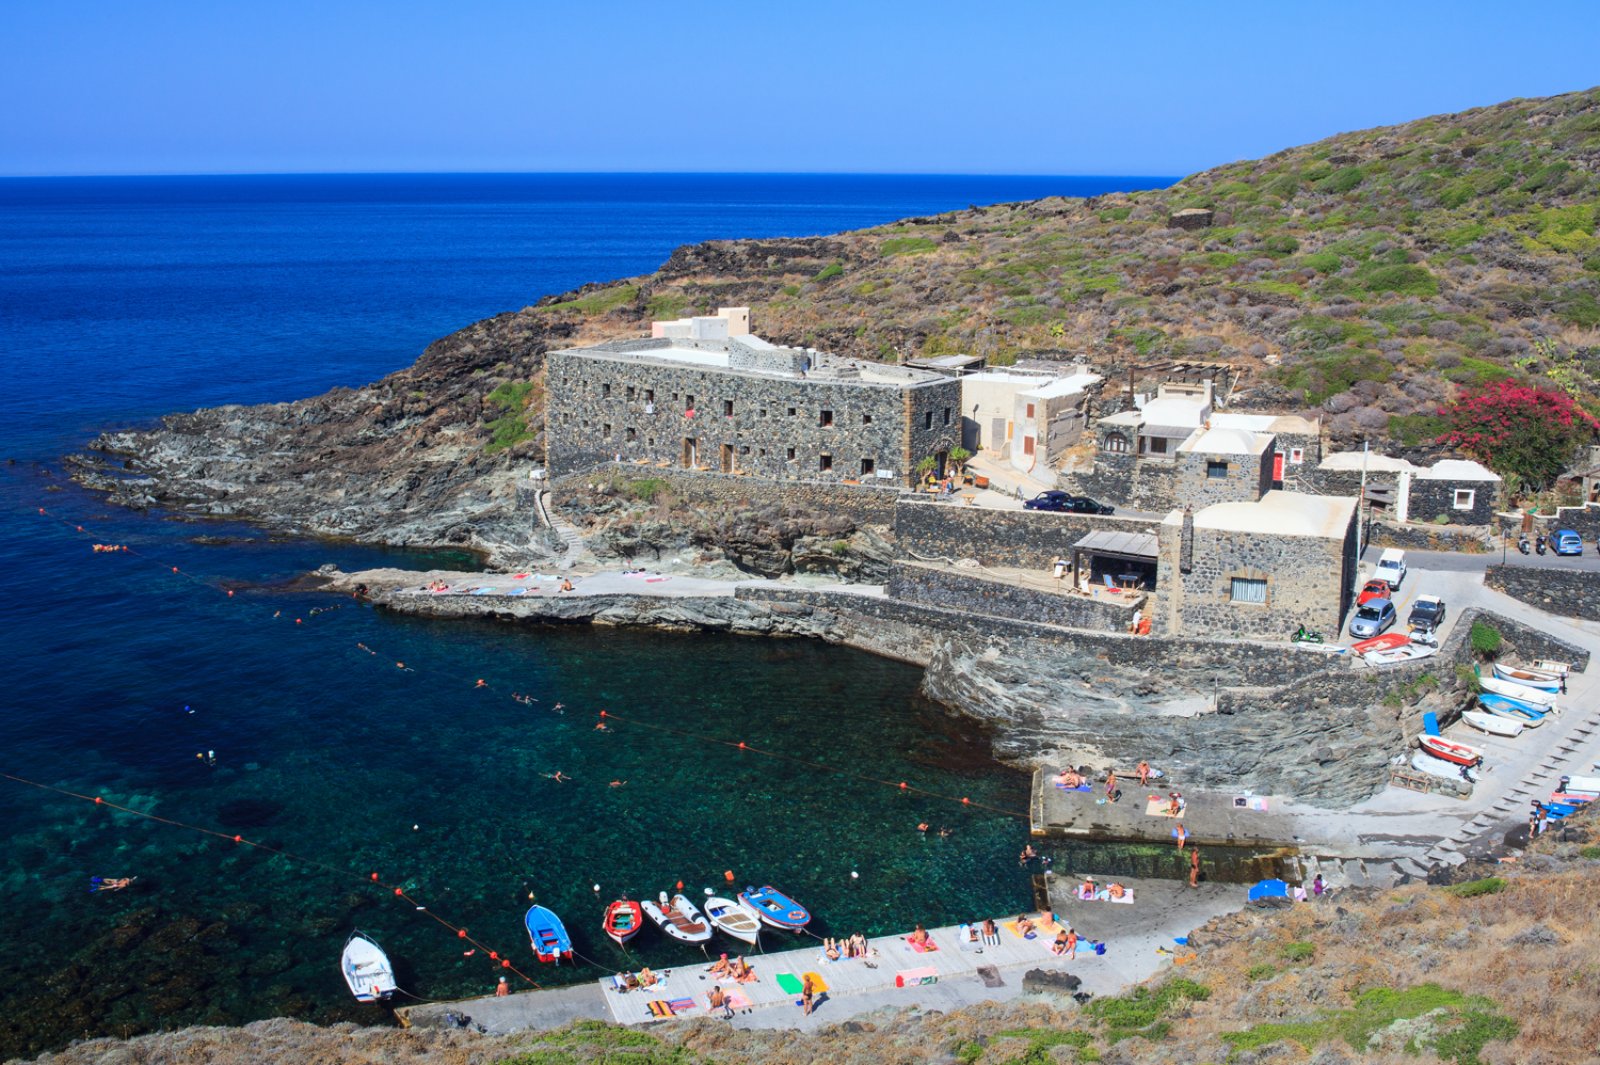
1372,275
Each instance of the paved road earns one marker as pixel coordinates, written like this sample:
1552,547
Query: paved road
1458,562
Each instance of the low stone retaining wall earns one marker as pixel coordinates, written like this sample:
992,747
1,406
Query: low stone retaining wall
863,504
1027,539
1415,537
978,594
1567,593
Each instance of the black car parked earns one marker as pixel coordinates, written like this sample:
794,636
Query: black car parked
1065,503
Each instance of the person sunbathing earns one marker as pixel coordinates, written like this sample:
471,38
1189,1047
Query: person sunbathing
830,949
1060,945
722,967
646,977
919,939
1024,926
1087,889
743,973
1117,891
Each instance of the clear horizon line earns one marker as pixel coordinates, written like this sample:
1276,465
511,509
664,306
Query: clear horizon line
42,176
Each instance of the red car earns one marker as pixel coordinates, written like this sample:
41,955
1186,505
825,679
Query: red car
1373,589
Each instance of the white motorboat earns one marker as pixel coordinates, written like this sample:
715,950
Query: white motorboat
1494,726
1423,762
678,918
1583,785
366,969
734,919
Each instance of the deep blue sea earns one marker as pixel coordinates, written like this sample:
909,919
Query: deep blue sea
122,299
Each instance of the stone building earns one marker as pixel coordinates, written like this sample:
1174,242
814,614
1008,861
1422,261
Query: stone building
1050,418
1258,569
1460,491
1222,466
698,398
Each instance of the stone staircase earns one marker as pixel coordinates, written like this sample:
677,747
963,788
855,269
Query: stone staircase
575,550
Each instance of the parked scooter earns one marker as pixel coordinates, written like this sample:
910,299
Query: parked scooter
1538,543
1522,543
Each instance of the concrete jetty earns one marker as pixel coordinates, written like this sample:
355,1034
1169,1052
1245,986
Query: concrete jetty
1139,937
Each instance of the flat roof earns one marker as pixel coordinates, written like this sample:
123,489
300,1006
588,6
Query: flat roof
1109,542
717,354
1457,470
1280,513
1264,423
1374,462
1215,441
1065,386
1175,410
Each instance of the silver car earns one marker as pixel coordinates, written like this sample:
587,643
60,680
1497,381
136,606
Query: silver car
1372,618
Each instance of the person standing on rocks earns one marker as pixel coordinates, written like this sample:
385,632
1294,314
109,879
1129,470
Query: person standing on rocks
1111,785
1194,867
1144,773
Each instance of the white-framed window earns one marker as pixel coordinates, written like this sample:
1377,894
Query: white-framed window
1217,469
1249,590
1464,498
1297,455
1116,443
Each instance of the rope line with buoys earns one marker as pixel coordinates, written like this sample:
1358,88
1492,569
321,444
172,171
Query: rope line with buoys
399,892
607,717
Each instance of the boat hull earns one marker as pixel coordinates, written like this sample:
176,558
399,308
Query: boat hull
1459,753
1516,691
1493,725
624,919
1528,678
1504,706
547,935
775,908
734,920
1388,641
692,929
1405,653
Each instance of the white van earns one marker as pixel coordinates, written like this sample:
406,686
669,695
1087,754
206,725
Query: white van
1391,567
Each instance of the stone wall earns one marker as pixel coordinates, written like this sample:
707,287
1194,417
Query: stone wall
1562,591
1431,498
861,504
975,593
1307,579
776,427
1024,538
1247,479
1583,520
1415,537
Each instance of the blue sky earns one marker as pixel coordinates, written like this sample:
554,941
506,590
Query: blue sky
1057,87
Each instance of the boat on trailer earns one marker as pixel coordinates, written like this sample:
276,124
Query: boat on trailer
1493,725
733,919
678,918
366,969
775,908
549,937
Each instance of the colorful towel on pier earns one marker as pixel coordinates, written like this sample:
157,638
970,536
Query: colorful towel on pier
789,983
924,947
1102,895
658,1008
1080,787
912,977
818,984
656,580
483,591
1156,806
680,1004
519,576
1012,925
518,591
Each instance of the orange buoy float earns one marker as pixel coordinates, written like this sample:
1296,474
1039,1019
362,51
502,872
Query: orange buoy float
728,876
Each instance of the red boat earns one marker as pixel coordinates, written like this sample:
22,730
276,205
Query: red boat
1388,641
1459,753
1571,798
624,919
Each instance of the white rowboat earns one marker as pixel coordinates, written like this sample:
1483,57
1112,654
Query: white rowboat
1494,726
1404,653
366,969
734,919
1531,678
1516,691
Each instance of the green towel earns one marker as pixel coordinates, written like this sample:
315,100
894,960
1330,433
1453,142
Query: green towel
790,984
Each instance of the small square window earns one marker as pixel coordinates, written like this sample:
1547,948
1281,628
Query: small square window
947,415
1030,411
631,434
727,408
866,419
790,455
927,419
867,466
605,389
650,395
1464,498
825,418
688,403
629,393
762,413
605,429
651,442
1217,470
791,412
762,452
825,463
744,449
1249,590
1297,455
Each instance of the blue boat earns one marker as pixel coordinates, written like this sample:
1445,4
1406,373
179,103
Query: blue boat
548,935
775,908
1514,709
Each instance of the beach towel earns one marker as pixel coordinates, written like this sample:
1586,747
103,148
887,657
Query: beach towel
484,591
738,999
678,1005
923,948
1012,925
519,576
1156,806
818,984
656,580
789,983
1080,787
912,977
658,1008
518,591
